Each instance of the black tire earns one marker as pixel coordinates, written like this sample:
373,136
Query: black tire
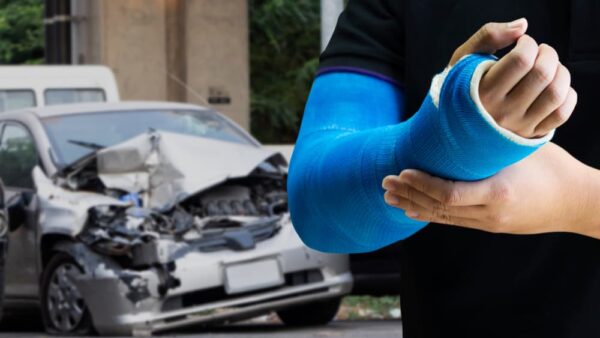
81,327
310,314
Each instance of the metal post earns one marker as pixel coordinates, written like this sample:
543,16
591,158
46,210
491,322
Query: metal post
57,24
330,11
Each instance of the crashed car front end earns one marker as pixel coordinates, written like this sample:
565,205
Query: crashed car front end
169,238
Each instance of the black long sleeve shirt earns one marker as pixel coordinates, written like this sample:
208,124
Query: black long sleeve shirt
458,282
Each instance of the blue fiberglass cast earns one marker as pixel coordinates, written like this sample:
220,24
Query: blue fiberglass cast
352,137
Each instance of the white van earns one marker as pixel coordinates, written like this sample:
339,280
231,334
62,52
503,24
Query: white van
41,85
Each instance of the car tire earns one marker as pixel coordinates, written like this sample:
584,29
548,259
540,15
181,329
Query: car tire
311,314
71,317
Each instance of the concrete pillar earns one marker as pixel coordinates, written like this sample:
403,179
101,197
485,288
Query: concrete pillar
176,49
180,50
134,46
218,55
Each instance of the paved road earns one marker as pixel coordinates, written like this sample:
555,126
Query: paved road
338,329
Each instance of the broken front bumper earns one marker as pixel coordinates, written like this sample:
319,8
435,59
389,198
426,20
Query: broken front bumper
126,302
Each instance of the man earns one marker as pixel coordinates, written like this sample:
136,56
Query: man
461,282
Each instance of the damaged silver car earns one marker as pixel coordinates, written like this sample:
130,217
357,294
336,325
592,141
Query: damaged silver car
136,218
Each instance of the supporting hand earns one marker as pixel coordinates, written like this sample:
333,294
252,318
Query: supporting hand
546,192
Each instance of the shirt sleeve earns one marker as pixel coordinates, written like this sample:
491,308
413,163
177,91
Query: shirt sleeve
368,39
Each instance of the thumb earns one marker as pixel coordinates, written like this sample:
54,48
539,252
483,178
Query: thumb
491,37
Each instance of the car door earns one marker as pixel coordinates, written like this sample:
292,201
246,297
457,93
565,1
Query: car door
3,242
18,157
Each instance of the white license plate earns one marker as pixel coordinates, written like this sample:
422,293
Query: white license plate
252,276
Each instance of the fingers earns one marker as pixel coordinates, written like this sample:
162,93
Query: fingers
539,77
412,198
551,98
491,37
508,71
527,90
414,202
447,192
559,116
481,204
421,213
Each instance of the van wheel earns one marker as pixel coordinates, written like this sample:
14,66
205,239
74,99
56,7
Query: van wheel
63,309
316,313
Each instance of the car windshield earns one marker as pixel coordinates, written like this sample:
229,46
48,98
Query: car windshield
74,136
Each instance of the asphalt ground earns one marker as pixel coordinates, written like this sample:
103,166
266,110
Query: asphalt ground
31,328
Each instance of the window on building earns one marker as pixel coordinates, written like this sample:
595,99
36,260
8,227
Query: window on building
16,99
73,95
17,157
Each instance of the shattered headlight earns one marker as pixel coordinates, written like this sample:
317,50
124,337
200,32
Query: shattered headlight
115,230
110,230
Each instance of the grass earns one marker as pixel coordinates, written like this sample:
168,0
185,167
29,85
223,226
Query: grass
367,307
354,308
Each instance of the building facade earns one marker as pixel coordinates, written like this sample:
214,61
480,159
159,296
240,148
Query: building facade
193,51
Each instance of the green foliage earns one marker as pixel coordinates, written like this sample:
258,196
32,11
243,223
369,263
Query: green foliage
284,49
21,31
367,307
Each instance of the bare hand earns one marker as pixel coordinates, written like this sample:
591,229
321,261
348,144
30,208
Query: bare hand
548,191
528,91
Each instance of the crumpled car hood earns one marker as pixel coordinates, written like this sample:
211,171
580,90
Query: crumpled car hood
158,196
169,167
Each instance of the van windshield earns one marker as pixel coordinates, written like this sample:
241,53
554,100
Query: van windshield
73,95
16,99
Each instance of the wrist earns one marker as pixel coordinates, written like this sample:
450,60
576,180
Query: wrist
452,121
577,200
587,220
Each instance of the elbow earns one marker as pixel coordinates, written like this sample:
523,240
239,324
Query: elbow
329,217
311,217
306,215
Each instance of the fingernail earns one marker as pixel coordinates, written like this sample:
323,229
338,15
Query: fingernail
411,214
516,24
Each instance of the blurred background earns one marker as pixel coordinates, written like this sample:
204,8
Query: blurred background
253,60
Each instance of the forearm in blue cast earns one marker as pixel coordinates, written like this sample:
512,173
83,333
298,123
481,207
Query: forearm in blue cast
352,137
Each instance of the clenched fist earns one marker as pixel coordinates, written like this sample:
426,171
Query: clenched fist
528,91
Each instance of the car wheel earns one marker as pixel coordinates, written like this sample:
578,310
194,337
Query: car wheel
316,313
63,309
